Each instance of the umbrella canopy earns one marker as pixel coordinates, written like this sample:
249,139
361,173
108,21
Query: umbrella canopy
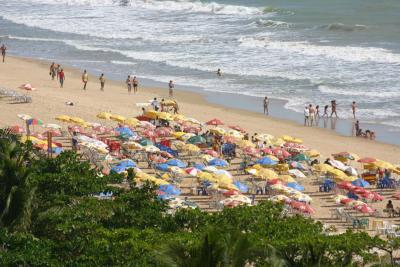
145,142
77,120
16,129
196,140
346,155
301,157
297,165
167,149
123,166
152,149
199,166
177,163
218,162
366,160
27,87
361,182
124,132
295,186
63,118
287,179
280,152
242,187
25,117
266,161
297,173
192,171
104,115
210,152
131,122
170,189
264,137
117,118
383,164
163,131
214,122
237,128
52,126
162,167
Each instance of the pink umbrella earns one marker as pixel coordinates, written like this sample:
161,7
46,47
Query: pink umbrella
210,152
250,151
345,185
192,171
163,132
267,150
359,190
237,128
274,181
280,152
27,87
147,125
191,129
229,139
150,133
230,193
53,132
396,196
346,201
166,154
366,160
214,122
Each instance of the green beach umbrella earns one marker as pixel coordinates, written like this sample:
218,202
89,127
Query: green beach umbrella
301,157
145,142
196,140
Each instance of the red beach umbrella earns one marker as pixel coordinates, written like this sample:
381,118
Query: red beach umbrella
237,128
210,152
214,122
16,129
163,132
366,160
230,193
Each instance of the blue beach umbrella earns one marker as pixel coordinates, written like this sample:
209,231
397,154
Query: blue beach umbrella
170,189
167,149
123,166
177,163
242,187
266,161
199,166
296,186
218,162
360,182
162,167
124,132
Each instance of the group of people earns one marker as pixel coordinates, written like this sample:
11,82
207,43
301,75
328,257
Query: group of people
57,72
360,133
132,82
162,106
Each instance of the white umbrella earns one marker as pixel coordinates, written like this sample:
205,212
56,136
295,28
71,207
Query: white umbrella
297,173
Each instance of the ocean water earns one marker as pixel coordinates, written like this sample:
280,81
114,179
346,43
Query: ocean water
301,51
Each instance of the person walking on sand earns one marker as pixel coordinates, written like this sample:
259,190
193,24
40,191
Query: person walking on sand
266,104
3,52
171,88
102,81
85,79
129,84
306,116
333,107
353,109
61,78
311,110
57,70
52,72
135,83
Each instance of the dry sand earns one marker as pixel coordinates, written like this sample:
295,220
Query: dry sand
49,101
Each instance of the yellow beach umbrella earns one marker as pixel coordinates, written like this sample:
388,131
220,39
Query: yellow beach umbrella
267,174
191,148
165,116
278,141
132,122
63,118
338,174
29,138
245,143
286,179
312,153
234,133
218,130
383,165
77,120
179,117
104,115
323,167
178,134
118,118
264,137
152,114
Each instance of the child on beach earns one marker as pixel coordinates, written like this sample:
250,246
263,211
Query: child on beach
326,111
3,51
85,79
102,81
61,78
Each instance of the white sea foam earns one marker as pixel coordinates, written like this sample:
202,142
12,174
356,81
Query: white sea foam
346,92
187,6
127,63
345,53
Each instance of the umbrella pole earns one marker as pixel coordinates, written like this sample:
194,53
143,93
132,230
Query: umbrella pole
28,132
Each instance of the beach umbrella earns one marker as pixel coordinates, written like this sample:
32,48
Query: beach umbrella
77,120
123,166
63,118
191,120
295,186
170,189
192,171
251,151
351,171
151,149
104,115
287,179
297,173
280,152
133,146
264,137
52,126
366,160
27,86
117,118
145,142
16,129
218,162
211,152
346,185
237,128
245,143
234,133
323,167
151,114
192,129
34,122
301,157
24,117
277,141
242,187
163,131
312,153
266,161
191,148
361,182
197,140
177,163
162,167
218,131
266,174
346,155
124,132
146,125
167,149
214,122
187,136
383,164
131,122
231,192
212,169
199,166
297,165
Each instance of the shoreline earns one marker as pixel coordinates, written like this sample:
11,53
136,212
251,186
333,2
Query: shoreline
49,102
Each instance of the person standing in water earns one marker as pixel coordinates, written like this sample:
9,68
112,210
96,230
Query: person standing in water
85,79
219,73
3,52
171,88
333,107
266,104
102,81
311,111
317,115
353,109
61,78
135,83
326,111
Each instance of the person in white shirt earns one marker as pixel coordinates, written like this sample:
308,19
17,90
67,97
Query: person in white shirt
154,104
306,116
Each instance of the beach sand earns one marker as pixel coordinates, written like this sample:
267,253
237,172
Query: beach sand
49,101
